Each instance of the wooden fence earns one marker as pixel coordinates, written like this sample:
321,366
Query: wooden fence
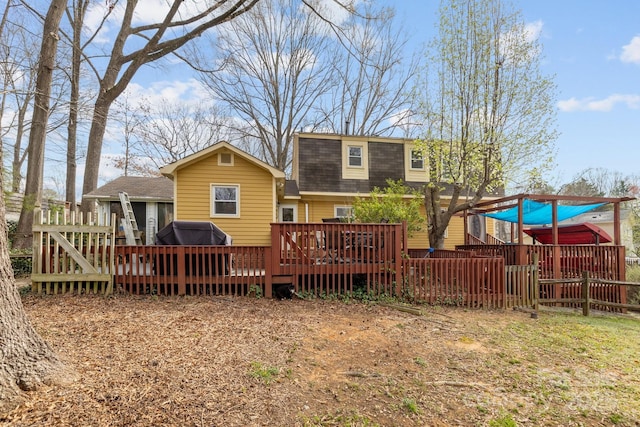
521,286
589,292
468,282
72,255
561,261
318,259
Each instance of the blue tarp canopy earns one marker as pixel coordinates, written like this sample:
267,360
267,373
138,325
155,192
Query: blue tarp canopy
537,213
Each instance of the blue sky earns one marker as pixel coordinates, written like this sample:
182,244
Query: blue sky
592,47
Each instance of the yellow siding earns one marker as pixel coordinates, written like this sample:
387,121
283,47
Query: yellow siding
257,198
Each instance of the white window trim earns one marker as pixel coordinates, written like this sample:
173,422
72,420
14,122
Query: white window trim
347,207
355,172
213,202
349,165
288,206
411,159
411,173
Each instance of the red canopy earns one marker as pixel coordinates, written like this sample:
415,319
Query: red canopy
575,234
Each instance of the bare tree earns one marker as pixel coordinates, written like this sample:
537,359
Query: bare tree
27,360
159,134
488,110
183,20
602,182
41,110
76,17
272,70
373,94
18,68
172,132
129,116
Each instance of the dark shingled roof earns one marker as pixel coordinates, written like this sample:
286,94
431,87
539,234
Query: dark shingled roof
137,187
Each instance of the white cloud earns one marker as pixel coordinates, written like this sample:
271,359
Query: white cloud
533,31
631,51
172,92
603,105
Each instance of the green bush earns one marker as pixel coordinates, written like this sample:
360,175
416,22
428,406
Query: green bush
395,203
21,265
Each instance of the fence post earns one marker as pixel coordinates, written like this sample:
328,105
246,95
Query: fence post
268,271
585,293
181,270
536,285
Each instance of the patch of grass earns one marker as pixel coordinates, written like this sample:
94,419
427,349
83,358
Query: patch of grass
339,420
410,405
266,374
503,421
420,361
616,419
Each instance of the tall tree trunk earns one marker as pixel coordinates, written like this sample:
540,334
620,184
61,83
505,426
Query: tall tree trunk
94,149
26,360
436,221
37,136
79,10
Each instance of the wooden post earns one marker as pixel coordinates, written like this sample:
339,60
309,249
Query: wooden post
534,280
465,224
400,244
616,225
520,221
181,270
268,272
585,293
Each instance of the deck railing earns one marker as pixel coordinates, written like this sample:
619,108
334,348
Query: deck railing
338,258
193,270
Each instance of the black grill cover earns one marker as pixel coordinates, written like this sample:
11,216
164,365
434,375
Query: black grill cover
192,233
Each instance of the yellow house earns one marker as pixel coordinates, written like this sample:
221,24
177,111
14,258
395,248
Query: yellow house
243,195
230,188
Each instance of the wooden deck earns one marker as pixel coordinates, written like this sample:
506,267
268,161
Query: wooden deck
328,259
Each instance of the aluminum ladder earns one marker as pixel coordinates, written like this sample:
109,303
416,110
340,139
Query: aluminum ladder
129,223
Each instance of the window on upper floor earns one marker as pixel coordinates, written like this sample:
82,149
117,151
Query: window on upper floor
355,156
415,163
417,160
225,200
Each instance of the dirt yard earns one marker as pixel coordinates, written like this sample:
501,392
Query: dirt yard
198,361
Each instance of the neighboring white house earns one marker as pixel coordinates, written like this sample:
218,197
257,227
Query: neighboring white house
604,220
151,200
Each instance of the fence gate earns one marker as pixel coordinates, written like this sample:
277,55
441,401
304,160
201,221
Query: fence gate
72,255
521,286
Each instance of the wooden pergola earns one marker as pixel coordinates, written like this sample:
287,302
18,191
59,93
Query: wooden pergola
518,200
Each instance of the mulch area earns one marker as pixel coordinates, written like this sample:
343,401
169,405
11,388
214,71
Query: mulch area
224,361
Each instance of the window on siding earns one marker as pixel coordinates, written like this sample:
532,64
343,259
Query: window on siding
417,160
225,200
345,213
355,156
